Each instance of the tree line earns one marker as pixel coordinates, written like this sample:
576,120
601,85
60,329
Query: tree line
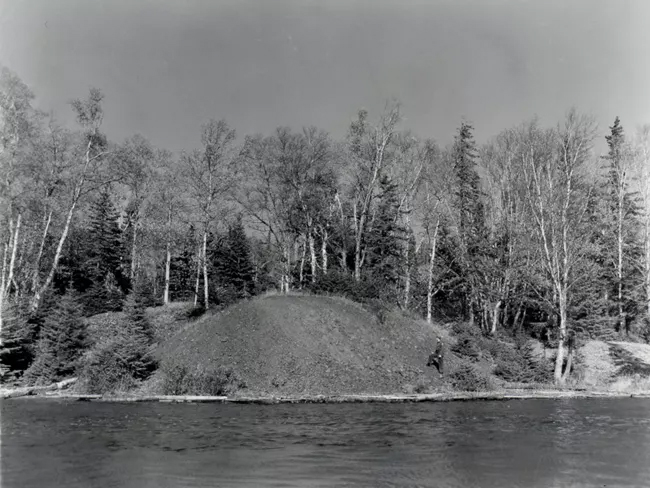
532,230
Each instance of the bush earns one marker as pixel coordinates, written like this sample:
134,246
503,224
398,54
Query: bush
343,284
194,311
467,346
468,378
182,380
117,364
521,366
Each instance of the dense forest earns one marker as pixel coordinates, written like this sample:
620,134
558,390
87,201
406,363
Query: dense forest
531,233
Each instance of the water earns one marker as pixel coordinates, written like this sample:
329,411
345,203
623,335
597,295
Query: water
529,443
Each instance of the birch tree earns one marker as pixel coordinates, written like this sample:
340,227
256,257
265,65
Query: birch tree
87,158
642,152
169,202
553,163
211,174
368,148
17,124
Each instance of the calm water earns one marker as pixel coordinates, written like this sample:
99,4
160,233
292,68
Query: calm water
531,443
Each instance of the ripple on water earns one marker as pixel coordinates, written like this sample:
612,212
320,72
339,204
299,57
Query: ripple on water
532,443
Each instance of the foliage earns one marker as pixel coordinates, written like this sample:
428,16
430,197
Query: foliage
182,380
135,310
468,378
61,341
117,364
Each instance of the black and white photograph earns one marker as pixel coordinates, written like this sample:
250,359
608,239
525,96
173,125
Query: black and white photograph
324,243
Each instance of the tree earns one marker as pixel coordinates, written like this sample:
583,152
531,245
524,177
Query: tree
61,342
433,212
168,202
287,190
385,240
135,310
85,164
642,152
622,208
134,164
231,258
470,215
211,174
181,266
18,122
553,163
368,149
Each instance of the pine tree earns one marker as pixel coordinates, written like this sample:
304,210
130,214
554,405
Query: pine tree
61,342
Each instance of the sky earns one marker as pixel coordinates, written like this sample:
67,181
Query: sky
168,66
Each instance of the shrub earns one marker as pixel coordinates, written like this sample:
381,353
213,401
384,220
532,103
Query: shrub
15,350
117,364
179,379
467,346
467,378
194,311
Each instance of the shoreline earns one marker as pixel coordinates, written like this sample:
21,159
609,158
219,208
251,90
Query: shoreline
333,399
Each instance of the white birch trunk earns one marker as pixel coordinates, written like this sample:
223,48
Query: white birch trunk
39,256
432,259
168,260
323,251
312,255
133,251
198,276
205,268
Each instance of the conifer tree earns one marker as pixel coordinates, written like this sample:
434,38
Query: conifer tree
182,268
135,310
61,342
232,260
239,271
104,264
472,233
106,251
623,226
386,238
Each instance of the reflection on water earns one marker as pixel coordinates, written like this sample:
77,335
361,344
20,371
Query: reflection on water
530,443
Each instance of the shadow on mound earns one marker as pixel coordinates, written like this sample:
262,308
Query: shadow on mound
628,364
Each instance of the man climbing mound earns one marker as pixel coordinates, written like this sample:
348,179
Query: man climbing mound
437,358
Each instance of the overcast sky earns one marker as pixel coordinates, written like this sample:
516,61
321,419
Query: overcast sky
168,66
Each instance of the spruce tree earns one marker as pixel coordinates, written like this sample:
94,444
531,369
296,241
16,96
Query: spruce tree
183,268
471,219
386,238
105,237
232,261
472,234
61,342
239,269
622,223
104,265
135,311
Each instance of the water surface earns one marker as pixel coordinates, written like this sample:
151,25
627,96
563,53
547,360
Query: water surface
528,443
